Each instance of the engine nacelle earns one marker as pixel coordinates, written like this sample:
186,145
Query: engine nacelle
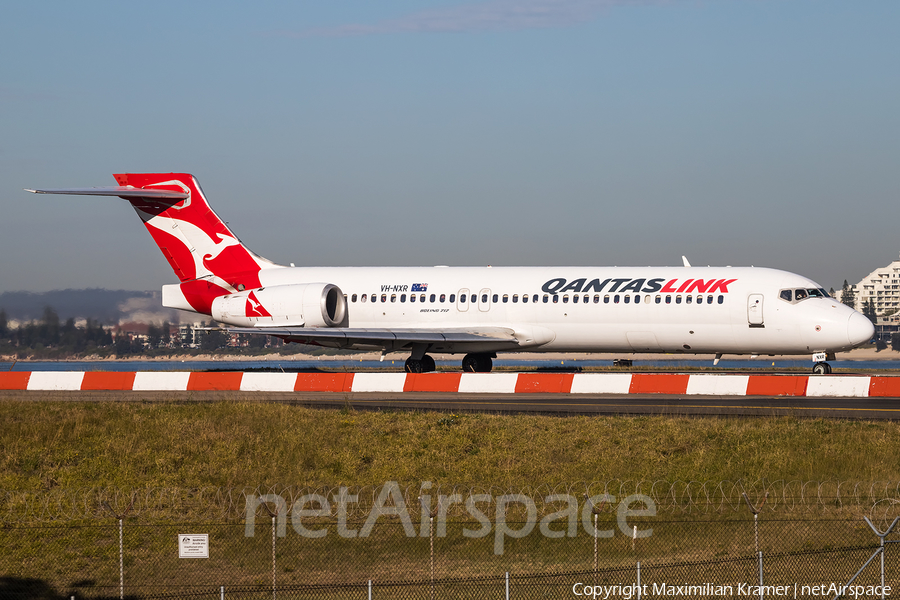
297,305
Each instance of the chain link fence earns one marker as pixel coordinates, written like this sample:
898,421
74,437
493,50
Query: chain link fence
289,546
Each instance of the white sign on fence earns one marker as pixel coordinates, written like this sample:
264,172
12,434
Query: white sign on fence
193,545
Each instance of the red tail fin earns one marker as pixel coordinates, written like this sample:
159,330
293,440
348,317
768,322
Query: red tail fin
205,255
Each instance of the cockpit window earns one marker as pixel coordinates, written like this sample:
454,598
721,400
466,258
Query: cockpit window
800,294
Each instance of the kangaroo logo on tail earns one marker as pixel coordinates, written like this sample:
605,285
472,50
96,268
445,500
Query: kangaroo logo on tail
206,256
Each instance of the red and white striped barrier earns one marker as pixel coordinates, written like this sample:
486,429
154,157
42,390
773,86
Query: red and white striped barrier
467,383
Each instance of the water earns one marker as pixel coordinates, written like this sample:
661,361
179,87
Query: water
349,364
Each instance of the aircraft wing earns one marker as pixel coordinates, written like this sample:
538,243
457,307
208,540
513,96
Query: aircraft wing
388,338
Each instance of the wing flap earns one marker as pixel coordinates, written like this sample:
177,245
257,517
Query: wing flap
392,336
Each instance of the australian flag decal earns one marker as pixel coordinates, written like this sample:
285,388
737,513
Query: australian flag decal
419,287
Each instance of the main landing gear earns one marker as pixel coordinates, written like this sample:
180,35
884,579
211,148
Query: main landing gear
421,365
478,363
472,363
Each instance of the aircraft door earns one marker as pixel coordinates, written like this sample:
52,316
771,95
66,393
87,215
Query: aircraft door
484,300
462,300
755,310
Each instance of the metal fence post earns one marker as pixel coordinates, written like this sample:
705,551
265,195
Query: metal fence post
639,580
370,589
120,518
507,585
881,548
760,576
755,510
121,564
431,538
273,557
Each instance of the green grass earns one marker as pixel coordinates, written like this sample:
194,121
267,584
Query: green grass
234,444
45,446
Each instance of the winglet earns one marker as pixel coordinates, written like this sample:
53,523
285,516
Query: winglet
685,260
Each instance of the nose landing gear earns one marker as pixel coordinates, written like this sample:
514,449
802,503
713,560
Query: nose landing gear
821,368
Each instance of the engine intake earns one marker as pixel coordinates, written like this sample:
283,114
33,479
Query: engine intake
296,305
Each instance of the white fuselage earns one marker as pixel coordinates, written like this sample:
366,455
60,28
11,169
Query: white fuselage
733,310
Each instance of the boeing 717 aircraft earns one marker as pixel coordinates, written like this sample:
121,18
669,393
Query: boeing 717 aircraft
479,311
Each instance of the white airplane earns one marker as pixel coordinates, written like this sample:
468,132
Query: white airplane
479,311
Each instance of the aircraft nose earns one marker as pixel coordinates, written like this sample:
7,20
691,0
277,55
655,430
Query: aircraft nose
859,329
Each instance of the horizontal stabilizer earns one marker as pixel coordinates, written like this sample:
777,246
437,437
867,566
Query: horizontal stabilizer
120,191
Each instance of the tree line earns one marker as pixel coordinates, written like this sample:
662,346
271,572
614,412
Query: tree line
52,338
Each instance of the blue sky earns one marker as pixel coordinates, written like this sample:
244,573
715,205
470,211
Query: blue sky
539,132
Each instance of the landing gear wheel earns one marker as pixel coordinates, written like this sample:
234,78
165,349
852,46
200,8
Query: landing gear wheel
413,365
477,363
428,365
821,368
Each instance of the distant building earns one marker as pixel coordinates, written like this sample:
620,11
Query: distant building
189,334
882,287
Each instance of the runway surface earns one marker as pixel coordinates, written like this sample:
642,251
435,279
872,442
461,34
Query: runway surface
555,404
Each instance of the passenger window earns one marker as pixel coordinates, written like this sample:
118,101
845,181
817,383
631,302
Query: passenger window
432,298
535,298
515,298
565,299
555,298
575,299
677,299
637,298
606,299
786,295
616,299
709,299
384,297
658,299
627,298
505,298
402,297
474,298
688,299
353,298
494,298
443,297
668,299
524,298
363,298
484,298
422,298
546,298
721,298
452,298
596,298
412,297
393,297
